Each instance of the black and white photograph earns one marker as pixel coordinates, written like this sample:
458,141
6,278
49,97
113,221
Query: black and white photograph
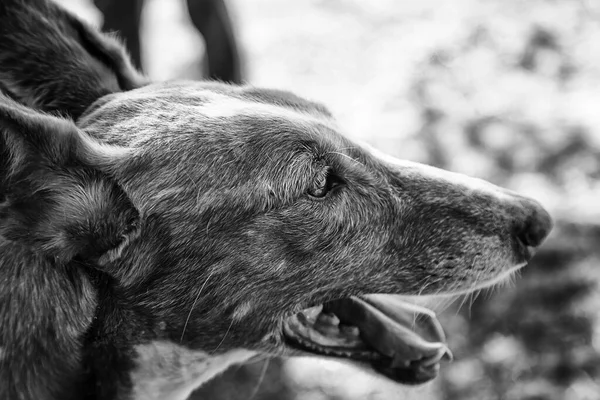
299,200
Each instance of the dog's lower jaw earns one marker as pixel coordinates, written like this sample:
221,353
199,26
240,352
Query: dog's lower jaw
167,371
499,280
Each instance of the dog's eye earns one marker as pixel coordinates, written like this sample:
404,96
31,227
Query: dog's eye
324,182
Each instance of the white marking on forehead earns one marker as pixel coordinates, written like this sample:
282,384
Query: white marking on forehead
220,106
427,171
167,371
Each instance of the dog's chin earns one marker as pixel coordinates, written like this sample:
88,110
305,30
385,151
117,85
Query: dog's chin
399,340
490,283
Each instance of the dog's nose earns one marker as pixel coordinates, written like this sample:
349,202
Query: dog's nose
536,226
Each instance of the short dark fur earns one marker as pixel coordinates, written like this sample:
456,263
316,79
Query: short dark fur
161,214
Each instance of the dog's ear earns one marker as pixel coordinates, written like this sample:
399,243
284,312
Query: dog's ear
51,61
56,191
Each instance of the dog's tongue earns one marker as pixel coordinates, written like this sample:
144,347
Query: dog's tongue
396,329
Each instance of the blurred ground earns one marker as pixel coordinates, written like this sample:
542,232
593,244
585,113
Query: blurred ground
506,90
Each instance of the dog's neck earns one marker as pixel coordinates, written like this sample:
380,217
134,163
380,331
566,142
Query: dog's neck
166,371
153,366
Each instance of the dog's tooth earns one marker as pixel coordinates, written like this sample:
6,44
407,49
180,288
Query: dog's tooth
311,314
328,330
328,318
349,330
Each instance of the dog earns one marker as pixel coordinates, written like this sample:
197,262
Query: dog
153,234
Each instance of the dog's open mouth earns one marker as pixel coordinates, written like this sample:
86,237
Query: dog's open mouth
400,340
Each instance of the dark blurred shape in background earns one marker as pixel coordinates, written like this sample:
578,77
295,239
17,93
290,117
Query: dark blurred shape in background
210,17
505,90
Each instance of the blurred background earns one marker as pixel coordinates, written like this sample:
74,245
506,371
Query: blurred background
506,90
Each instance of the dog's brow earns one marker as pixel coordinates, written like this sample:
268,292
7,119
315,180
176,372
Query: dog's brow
220,106
347,156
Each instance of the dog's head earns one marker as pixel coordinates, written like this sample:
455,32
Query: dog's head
222,218
253,207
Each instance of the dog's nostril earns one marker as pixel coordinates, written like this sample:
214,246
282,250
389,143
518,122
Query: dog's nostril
537,227
529,236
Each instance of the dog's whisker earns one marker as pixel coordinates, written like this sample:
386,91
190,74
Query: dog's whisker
194,305
442,303
463,300
474,296
347,156
223,339
263,372
427,282
260,358
468,304
349,148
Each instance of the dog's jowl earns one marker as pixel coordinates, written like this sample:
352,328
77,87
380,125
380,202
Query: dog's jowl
153,234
